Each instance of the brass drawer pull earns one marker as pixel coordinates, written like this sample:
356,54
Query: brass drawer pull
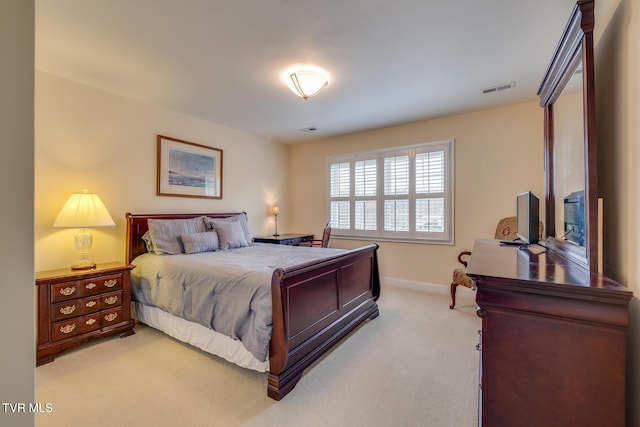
90,322
90,285
68,328
68,309
110,283
111,300
90,304
110,317
67,291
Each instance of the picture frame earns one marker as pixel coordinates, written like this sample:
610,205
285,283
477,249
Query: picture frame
187,169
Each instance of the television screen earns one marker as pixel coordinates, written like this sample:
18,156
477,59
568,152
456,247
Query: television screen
528,217
574,229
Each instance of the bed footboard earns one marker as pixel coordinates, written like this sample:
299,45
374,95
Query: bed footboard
315,305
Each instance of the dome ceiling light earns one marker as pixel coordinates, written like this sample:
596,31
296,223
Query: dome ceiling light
306,82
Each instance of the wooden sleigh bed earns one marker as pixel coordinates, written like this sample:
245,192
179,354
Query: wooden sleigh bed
314,304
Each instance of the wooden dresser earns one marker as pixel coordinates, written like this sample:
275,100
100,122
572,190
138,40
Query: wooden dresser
74,306
552,341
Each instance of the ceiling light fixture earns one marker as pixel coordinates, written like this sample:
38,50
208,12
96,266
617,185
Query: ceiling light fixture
307,82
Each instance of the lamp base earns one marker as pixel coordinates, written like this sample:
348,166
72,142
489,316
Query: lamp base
83,264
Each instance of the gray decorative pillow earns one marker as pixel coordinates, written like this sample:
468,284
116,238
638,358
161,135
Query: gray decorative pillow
165,233
200,242
146,238
230,234
240,218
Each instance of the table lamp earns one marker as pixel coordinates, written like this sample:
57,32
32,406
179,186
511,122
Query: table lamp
83,210
276,210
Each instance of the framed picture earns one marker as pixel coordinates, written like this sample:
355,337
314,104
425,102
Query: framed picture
186,169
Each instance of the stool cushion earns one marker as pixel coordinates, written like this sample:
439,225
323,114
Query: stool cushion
461,278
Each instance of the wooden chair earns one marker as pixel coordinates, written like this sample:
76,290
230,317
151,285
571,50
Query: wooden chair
321,243
505,230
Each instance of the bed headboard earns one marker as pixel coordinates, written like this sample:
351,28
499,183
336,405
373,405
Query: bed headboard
137,225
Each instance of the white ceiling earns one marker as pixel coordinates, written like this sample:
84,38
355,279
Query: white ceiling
390,62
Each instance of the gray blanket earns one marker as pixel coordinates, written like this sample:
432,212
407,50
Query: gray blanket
227,291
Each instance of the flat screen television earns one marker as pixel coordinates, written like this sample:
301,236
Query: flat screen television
528,217
574,218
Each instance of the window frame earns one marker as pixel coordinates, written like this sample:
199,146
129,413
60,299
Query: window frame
446,237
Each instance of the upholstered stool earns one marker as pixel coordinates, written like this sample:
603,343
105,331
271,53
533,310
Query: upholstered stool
460,278
505,230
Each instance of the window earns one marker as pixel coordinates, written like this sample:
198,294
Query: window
403,193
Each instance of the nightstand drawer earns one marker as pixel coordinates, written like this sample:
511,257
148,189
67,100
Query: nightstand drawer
110,300
78,307
111,317
77,325
80,288
74,308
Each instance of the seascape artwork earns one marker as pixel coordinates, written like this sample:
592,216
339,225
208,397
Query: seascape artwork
186,169
191,170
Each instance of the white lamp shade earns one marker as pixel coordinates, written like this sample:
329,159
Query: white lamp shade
84,210
275,210
307,83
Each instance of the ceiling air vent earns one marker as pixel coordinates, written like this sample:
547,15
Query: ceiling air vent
500,87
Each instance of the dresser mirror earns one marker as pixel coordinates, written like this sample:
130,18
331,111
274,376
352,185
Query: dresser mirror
567,96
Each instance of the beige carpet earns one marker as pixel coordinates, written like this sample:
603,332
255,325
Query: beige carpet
415,365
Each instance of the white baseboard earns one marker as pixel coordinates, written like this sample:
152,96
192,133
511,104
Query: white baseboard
462,294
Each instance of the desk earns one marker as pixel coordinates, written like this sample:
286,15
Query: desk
553,339
285,239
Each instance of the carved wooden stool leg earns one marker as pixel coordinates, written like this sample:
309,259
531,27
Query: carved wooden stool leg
454,285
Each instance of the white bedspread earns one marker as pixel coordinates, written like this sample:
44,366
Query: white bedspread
227,291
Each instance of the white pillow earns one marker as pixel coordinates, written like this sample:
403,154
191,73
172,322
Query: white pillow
165,233
200,242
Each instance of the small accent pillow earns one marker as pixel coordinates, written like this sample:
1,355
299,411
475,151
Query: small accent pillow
146,238
206,241
165,233
230,234
240,218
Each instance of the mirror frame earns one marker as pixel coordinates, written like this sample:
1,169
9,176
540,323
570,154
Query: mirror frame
575,48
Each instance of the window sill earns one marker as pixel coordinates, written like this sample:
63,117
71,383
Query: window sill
393,240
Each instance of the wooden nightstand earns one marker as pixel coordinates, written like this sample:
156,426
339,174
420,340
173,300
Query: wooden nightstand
285,239
75,306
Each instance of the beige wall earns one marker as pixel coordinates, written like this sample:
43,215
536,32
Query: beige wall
618,131
90,139
617,91
17,335
498,154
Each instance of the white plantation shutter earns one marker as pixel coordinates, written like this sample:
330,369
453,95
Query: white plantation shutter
430,172
430,186
396,215
366,215
340,188
402,194
340,215
340,179
396,192
365,177
396,175
366,189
